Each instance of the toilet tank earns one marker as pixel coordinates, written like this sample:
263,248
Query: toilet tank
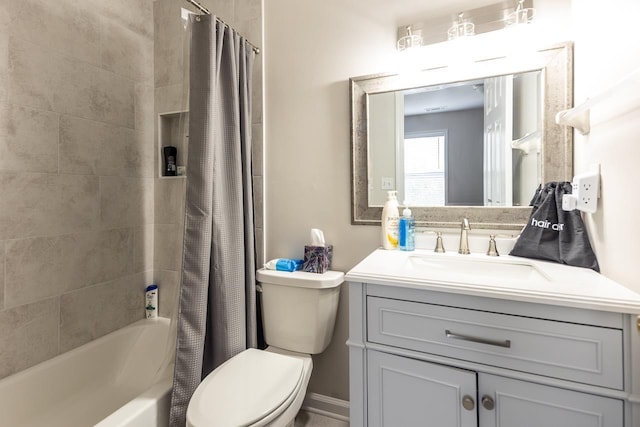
299,308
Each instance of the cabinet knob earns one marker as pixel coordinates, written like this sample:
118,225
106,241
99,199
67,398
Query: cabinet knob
488,403
468,403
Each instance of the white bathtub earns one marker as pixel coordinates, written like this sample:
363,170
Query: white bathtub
112,381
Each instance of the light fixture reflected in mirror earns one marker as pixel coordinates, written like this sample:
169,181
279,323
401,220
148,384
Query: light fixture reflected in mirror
521,15
409,39
461,28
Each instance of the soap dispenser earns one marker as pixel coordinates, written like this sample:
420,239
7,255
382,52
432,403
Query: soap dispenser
407,230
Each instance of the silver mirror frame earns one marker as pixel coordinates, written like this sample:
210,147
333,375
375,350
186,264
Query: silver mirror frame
556,66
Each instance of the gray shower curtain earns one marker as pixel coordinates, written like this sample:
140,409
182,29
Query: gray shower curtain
217,308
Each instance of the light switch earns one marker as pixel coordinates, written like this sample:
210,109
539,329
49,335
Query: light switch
387,183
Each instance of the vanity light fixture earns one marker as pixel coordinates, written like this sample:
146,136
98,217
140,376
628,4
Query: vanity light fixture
521,15
409,40
461,28
484,19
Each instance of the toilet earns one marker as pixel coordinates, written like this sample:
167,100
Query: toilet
266,387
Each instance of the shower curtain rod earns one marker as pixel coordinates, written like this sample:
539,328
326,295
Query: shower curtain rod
207,12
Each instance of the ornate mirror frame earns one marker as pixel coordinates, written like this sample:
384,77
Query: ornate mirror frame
556,66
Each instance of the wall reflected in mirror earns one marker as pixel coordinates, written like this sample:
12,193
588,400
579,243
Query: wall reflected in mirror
469,143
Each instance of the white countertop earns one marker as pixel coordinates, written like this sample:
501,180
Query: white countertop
504,277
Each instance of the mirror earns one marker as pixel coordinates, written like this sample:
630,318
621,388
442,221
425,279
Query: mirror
472,143
456,142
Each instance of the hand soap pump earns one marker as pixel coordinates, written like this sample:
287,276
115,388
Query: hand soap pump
390,217
407,230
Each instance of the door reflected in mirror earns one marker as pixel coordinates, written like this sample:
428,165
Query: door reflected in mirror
470,143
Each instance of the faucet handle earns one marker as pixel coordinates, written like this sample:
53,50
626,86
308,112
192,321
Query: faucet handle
439,245
465,224
493,250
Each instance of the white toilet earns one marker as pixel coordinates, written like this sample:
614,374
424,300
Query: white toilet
266,387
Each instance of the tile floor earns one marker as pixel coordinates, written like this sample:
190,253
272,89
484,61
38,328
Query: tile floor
309,419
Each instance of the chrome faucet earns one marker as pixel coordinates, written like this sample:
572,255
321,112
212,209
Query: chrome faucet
493,249
464,240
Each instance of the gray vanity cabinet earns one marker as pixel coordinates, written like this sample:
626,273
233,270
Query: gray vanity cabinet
406,392
425,358
506,402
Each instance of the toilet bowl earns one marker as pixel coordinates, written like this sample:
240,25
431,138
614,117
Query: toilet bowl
267,387
255,388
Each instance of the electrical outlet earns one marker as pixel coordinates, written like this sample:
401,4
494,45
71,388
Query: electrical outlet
585,188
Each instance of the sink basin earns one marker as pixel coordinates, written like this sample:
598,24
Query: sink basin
505,277
469,269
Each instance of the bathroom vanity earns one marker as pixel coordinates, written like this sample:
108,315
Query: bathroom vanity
474,341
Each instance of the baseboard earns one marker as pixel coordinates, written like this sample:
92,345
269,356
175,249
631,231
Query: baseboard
327,406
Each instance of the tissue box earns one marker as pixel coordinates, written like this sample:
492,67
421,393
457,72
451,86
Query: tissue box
317,259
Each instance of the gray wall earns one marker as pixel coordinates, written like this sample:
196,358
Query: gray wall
465,130
76,173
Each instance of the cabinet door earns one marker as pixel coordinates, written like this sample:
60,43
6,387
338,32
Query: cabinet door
404,392
511,403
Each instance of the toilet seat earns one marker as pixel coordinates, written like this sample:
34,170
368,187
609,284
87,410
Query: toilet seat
250,389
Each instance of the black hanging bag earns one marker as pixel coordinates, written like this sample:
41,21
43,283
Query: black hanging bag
554,234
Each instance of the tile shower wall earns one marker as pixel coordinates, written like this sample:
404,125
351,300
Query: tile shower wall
169,51
76,172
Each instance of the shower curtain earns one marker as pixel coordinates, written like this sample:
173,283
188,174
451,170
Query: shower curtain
217,308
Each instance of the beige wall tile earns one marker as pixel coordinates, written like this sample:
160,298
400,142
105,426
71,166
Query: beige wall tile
90,147
73,58
145,112
46,205
28,139
44,80
127,53
247,9
89,313
224,9
168,200
41,267
170,99
125,202
168,247
168,289
4,62
143,248
251,29
2,269
5,18
58,27
137,15
28,335
169,38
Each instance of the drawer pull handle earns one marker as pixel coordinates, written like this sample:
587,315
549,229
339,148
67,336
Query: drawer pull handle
505,343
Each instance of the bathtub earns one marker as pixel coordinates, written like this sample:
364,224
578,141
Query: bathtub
121,379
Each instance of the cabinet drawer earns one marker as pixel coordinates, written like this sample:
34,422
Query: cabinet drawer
582,353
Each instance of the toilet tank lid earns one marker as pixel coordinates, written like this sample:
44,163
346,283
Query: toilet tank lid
301,279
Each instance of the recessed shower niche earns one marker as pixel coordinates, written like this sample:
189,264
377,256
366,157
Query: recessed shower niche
173,131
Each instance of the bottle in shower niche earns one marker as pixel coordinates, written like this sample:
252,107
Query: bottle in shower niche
170,161
390,219
151,301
